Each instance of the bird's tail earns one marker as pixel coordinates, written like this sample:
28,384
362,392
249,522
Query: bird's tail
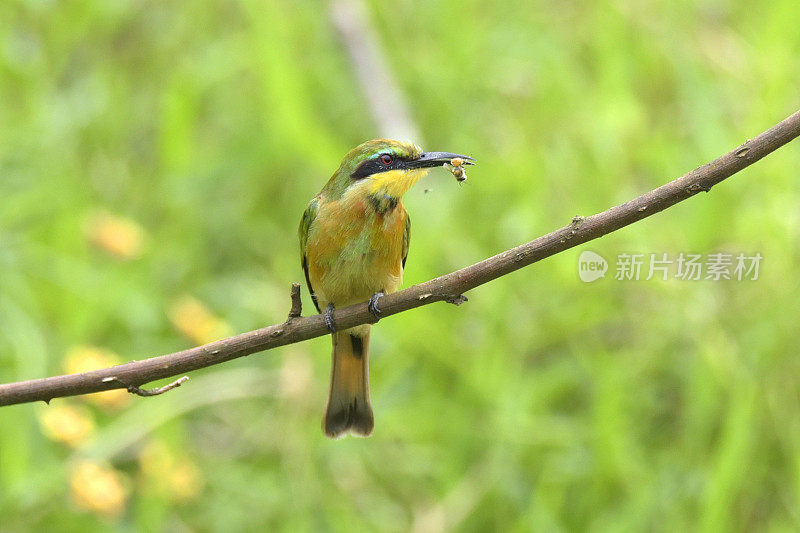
348,400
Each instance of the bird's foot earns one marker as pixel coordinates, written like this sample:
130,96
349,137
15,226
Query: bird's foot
327,315
373,304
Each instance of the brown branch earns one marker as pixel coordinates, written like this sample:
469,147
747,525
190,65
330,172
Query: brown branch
448,287
146,393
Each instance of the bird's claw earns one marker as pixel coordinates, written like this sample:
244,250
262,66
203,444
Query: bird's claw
373,304
327,316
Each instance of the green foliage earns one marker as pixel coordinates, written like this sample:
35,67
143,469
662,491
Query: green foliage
544,403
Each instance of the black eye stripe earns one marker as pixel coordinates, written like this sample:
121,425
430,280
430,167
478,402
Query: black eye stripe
376,165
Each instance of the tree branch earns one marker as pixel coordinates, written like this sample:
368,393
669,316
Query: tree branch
448,287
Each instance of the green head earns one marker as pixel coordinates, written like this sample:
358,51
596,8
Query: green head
385,165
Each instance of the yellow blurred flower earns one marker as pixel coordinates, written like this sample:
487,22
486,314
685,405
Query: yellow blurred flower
177,478
85,358
118,236
196,321
66,423
99,489
184,481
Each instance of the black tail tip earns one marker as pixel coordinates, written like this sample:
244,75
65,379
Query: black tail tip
354,418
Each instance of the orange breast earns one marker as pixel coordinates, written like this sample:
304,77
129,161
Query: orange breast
353,252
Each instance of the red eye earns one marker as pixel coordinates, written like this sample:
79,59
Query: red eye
386,159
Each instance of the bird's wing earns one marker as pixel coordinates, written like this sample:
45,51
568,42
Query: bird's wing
305,224
406,239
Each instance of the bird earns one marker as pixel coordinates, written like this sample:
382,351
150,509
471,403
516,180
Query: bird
354,239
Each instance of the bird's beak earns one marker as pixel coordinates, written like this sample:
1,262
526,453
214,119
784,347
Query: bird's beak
437,159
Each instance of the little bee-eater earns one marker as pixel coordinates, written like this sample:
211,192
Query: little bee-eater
353,243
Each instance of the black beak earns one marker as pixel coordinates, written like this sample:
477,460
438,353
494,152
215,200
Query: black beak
437,159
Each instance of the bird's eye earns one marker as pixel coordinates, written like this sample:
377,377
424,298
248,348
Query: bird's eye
386,159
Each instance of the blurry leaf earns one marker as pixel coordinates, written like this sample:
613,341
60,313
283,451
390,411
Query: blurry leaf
145,416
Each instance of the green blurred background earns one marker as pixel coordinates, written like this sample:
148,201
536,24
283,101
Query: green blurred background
155,158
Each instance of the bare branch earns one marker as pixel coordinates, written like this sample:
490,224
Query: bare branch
133,389
447,287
